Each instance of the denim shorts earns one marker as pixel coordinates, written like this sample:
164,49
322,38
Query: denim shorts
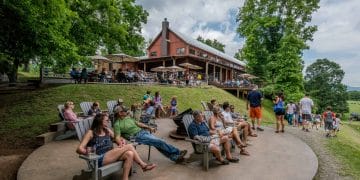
100,160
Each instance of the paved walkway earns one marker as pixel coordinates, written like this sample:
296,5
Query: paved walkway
273,156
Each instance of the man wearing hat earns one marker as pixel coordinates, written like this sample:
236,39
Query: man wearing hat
119,103
125,127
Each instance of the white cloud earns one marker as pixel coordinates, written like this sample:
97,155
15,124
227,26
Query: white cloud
192,17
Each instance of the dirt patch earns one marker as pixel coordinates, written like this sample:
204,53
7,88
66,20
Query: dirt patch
11,163
329,166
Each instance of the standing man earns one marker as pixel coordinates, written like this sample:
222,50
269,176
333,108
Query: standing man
305,109
254,103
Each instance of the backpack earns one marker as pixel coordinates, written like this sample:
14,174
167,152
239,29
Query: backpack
329,118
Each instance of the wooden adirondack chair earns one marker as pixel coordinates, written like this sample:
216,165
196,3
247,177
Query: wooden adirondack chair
85,107
199,147
81,128
205,106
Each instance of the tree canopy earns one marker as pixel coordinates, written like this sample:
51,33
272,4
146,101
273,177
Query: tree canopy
275,34
323,82
213,43
62,32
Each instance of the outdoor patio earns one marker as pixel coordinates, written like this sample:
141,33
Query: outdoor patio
273,156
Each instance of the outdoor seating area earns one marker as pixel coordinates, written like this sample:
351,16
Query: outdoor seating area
65,164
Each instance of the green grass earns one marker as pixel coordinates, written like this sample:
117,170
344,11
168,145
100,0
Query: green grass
346,147
29,114
354,106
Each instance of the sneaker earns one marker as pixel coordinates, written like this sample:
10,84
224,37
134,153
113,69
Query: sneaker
260,129
253,128
181,156
307,130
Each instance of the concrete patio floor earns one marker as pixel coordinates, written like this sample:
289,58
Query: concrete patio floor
273,156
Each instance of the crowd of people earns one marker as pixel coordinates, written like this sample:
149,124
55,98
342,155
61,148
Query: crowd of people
301,115
221,129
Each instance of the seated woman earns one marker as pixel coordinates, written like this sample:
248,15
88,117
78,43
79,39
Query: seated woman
95,109
229,119
198,129
217,126
148,113
69,114
99,136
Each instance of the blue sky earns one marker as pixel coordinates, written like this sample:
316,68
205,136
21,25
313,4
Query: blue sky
337,38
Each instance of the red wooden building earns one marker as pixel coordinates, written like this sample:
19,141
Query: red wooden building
173,48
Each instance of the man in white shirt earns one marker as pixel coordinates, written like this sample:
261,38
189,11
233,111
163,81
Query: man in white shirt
305,107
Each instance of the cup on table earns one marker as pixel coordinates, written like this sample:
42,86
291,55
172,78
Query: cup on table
91,150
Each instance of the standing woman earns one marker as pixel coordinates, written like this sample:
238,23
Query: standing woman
99,136
158,104
279,110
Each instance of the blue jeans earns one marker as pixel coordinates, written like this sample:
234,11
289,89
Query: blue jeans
144,137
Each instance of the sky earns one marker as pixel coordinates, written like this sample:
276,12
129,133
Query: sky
337,38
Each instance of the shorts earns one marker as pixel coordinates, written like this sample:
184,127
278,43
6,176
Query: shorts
306,117
227,130
255,112
214,142
100,160
329,125
280,113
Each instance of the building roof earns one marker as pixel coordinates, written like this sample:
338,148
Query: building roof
207,48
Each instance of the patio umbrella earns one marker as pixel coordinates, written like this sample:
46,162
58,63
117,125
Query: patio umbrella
160,69
175,68
98,58
190,66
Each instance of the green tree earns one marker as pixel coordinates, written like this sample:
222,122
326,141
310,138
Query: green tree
60,33
213,43
276,33
354,95
323,82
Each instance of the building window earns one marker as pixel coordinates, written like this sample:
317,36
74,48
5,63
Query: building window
180,51
153,53
192,51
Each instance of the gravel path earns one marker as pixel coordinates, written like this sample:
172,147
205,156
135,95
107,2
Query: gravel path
329,166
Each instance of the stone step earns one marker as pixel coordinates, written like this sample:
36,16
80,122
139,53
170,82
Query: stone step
59,126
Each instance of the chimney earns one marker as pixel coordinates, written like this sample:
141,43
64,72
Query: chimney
165,38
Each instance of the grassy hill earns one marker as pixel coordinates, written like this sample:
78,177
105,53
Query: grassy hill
29,114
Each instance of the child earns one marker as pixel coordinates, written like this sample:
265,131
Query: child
173,105
336,124
316,121
328,117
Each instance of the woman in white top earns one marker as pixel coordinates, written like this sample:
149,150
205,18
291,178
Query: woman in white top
217,125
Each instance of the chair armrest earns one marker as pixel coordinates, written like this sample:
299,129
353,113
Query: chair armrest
89,158
196,141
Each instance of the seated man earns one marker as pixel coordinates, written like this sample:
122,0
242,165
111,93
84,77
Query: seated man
199,128
126,127
228,115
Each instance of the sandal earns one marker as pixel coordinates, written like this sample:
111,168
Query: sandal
253,135
276,131
148,167
223,162
233,160
244,152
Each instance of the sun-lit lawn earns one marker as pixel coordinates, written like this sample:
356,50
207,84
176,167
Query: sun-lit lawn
346,147
29,114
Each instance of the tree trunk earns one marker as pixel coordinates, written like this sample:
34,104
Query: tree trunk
27,67
12,74
41,74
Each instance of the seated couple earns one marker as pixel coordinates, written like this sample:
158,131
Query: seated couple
126,127
199,128
100,137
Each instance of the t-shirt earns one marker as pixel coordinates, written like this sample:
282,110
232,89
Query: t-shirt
126,127
290,108
69,115
200,129
306,105
227,117
254,98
